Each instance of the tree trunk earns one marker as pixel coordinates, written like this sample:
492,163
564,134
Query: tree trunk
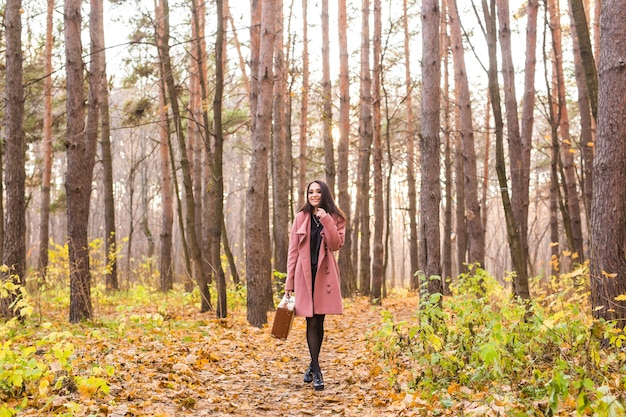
447,220
99,54
586,53
586,126
44,227
571,203
14,253
528,118
280,188
365,144
327,105
217,177
410,152
258,267
608,208
81,146
430,194
167,206
520,283
304,109
476,235
379,208
190,227
348,278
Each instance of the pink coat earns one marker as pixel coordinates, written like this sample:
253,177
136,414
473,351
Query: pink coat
327,297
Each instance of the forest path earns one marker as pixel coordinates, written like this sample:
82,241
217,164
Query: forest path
234,369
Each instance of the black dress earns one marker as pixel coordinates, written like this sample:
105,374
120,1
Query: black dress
316,242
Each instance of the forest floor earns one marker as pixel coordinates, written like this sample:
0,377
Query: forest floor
187,363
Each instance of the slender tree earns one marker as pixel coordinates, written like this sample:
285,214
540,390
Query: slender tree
81,150
586,53
473,219
99,55
348,279
258,268
14,252
304,108
365,144
217,177
280,185
447,100
608,207
430,194
327,106
167,205
190,206
410,150
379,208
44,227
520,283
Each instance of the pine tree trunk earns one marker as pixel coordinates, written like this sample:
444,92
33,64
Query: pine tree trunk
586,126
304,109
258,266
80,162
447,220
327,105
348,279
608,208
586,53
475,232
280,188
44,227
14,243
410,152
520,284
365,144
379,209
430,194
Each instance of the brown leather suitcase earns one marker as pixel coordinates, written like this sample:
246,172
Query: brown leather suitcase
282,323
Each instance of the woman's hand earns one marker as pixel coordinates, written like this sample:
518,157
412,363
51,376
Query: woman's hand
320,212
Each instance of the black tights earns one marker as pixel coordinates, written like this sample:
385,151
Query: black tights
314,338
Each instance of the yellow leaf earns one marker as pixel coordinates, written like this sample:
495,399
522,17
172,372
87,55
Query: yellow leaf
591,144
621,297
606,274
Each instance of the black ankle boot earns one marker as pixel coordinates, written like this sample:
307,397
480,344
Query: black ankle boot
318,381
308,375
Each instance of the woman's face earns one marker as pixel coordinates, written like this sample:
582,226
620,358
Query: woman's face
314,194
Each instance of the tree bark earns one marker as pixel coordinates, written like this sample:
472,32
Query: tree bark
14,243
280,167
258,267
447,220
327,106
99,54
304,108
365,144
520,283
476,235
379,208
190,205
608,208
81,149
410,153
167,206
586,141
348,278
586,53
430,195
217,177
571,203
44,227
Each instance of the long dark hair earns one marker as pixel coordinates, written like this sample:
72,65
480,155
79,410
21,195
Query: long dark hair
327,202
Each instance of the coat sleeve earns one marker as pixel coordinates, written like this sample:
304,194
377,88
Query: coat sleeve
292,257
334,231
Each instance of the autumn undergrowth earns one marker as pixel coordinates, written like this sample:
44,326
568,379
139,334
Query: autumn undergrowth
544,357
49,365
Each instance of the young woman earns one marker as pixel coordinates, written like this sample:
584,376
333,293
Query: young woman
312,272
